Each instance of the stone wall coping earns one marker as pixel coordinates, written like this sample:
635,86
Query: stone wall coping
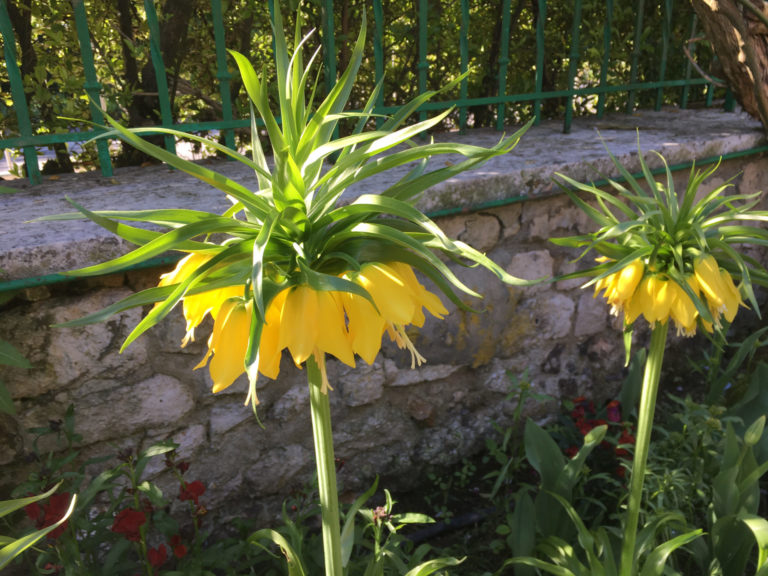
30,250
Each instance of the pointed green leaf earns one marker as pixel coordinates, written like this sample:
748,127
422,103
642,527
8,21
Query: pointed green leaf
9,356
348,532
655,563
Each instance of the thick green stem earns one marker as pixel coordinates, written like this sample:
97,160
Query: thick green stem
642,445
326,470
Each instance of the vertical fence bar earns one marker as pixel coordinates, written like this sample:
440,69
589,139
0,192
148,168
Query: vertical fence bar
91,84
156,54
503,62
635,55
572,65
688,66
606,57
464,64
329,46
542,18
423,64
17,93
222,71
729,103
666,32
378,53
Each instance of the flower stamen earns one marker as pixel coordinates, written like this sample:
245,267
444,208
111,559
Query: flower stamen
397,331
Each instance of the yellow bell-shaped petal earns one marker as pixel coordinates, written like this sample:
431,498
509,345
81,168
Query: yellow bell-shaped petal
332,337
389,291
640,301
366,326
196,306
270,351
683,311
229,342
710,281
731,296
184,268
299,323
626,282
662,295
423,298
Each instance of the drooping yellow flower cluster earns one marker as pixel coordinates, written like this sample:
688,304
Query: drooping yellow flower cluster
635,290
306,321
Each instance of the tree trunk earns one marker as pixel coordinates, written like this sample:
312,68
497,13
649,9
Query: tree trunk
21,20
739,36
174,36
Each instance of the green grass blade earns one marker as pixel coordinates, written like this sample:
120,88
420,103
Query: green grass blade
295,565
348,531
432,566
9,506
547,567
657,560
9,356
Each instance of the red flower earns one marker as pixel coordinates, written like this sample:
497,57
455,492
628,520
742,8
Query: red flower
51,513
128,522
625,438
584,427
157,556
179,550
613,411
571,451
578,413
33,511
191,491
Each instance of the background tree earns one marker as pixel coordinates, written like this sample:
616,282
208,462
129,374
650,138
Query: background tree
738,32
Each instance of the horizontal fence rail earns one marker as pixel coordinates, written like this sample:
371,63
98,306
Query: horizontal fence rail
596,60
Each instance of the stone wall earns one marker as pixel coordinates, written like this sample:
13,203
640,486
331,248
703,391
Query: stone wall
388,419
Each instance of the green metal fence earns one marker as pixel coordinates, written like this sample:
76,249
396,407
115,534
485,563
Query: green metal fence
587,79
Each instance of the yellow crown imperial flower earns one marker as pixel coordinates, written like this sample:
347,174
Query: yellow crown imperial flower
311,322
288,265
687,242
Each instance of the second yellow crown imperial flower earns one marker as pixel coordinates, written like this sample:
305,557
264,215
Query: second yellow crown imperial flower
658,297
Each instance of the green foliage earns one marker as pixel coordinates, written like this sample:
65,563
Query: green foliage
94,542
9,356
753,404
53,73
